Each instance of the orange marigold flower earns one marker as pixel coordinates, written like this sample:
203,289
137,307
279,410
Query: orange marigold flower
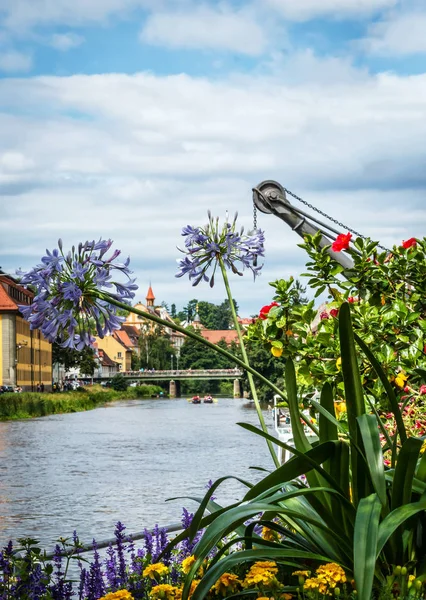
227,583
155,570
187,564
165,591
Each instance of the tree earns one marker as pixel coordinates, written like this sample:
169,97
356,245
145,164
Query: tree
173,313
83,360
155,348
119,383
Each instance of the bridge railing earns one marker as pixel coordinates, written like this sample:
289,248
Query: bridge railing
183,372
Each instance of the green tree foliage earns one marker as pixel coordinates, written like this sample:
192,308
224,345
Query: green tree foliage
155,349
69,358
119,383
267,365
136,362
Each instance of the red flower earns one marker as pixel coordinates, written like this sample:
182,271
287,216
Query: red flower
341,242
422,390
324,315
264,311
334,312
409,243
352,299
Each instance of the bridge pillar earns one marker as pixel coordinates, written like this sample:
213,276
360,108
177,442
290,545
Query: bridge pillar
237,388
172,389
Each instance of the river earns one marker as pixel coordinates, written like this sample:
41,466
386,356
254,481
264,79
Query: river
87,470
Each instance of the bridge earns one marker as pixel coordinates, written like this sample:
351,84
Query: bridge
173,375
180,374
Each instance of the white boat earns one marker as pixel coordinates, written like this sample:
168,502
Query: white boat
282,426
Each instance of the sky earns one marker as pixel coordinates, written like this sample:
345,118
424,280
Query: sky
129,119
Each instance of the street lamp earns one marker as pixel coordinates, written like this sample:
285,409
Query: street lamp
171,360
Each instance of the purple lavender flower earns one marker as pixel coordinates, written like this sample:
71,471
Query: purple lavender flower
68,305
206,246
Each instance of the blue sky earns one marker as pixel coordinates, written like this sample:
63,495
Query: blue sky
131,118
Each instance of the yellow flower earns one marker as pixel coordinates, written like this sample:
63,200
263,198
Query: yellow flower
226,584
269,534
332,573
266,564
423,448
276,351
187,564
262,572
340,407
316,583
286,596
194,584
301,573
289,333
339,363
400,379
155,570
165,591
119,595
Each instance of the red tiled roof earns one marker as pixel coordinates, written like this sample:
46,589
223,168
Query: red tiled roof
6,303
215,336
150,294
124,339
131,330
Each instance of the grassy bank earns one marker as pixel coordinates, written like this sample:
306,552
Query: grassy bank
32,404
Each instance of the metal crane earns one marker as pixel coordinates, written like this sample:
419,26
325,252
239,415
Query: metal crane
270,197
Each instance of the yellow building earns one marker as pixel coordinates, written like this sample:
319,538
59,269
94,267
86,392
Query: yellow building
25,356
118,347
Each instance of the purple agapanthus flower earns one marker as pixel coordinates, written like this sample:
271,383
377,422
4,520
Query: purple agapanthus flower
206,246
68,305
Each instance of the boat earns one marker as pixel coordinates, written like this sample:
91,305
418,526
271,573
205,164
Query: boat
282,426
196,400
208,400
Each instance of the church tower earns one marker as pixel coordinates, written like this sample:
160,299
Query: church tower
150,297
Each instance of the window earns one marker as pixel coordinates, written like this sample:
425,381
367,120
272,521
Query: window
119,355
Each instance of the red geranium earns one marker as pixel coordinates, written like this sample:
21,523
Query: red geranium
341,242
334,312
422,390
353,299
264,311
409,243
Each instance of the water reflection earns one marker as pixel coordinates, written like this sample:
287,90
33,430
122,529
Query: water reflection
86,471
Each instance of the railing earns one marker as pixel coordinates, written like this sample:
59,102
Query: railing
173,373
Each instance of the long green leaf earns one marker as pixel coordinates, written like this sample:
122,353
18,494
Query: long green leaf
386,384
300,464
421,469
402,485
395,519
354,399
373,451
365,544
300,440
327,428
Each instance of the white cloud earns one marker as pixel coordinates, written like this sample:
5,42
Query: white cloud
13,62
206,27
24,14
399,34
305,10
137,157
66,41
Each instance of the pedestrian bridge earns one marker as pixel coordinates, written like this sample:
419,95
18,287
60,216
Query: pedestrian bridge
179,374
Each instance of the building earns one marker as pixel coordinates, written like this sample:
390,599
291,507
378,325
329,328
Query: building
214,336
107,367
118,347
143,326
25,355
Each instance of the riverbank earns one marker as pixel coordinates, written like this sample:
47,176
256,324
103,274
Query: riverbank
28,405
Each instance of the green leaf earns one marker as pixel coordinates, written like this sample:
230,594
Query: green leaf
365,544
395,519
386,384
354,398
300,440
404,472
373,452
327,429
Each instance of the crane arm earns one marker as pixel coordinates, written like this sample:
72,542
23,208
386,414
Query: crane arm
269,197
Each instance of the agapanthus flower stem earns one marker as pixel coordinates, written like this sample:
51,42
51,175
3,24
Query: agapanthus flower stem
246,361
194,336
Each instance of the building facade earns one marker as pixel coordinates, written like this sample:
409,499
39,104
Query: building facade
25,355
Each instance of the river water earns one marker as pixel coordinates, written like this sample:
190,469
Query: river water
88,470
